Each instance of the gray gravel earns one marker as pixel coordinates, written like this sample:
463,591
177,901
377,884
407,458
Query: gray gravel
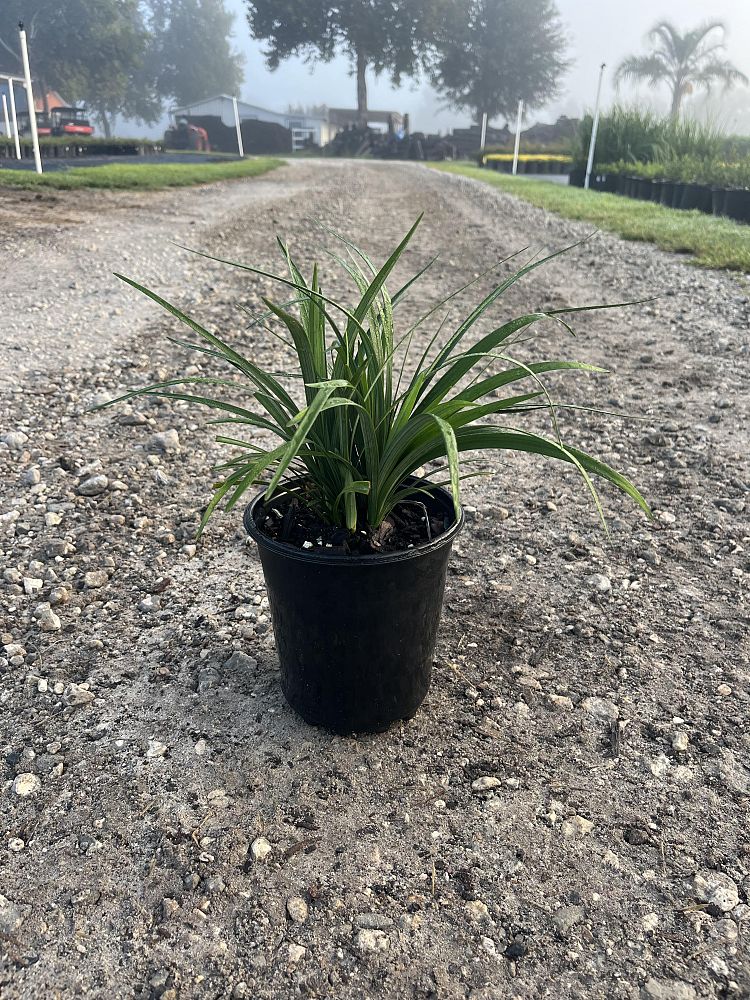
566,816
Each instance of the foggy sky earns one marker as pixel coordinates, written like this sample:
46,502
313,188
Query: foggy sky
599,32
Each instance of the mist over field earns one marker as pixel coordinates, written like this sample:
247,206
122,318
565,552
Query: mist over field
597,33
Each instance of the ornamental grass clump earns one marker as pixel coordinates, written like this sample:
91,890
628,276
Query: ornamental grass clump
369,419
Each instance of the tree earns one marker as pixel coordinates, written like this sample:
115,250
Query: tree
381,35
192,56
683,62
88,50
490,53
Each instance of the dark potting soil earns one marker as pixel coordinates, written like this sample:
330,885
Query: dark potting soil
290,520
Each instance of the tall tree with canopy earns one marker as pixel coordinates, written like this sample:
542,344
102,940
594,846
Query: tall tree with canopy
192,55
389,36
491,53
685,62
89,50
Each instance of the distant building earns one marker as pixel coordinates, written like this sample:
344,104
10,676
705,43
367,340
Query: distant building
304,128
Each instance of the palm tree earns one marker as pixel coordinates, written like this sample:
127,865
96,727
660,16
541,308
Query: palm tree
685,62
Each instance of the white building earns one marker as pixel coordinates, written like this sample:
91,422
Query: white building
302,127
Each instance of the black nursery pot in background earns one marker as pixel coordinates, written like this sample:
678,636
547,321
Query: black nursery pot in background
355,635
737,204
667,193
718,197
697,196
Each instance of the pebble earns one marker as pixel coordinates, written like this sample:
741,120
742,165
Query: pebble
76,695
260,849
240,661
11,917
600,582
26,784
166,442
51,519
716,889
485,784
667,989
372,941
681,742
15,440
578,826
666,517
60,595
95,578
296,953
32,586
32,477
46,618
477,911
16,845
93,486
297,909
566,918
156,749
601,708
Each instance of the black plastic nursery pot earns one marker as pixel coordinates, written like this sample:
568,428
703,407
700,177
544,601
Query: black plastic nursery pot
355,634
667,193
577,177
677,192
696,196
656,191
644,189
718,197
737,204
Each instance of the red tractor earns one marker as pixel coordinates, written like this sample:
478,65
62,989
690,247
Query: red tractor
59,122
183,135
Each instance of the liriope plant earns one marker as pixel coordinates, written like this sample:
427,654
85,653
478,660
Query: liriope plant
366,424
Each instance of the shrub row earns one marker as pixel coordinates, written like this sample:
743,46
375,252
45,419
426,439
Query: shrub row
529,163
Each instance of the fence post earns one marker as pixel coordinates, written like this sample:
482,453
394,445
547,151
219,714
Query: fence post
30,98
518,136
483,139
13,118
594,129
238,127
6,123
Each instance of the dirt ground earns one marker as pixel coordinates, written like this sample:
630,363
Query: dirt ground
566,817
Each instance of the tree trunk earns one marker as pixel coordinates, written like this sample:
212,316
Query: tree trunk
677,93
361,87
105,123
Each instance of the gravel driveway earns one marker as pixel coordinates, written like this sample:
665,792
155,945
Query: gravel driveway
568,814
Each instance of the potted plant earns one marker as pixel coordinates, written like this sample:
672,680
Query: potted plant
354,544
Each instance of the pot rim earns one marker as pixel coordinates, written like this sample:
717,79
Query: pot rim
322,557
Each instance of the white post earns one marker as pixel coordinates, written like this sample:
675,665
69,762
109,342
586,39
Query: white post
518,136
6,123
13,118
483,138
238,127
594,129
30,99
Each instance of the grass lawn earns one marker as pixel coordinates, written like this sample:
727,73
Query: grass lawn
713,242
144,177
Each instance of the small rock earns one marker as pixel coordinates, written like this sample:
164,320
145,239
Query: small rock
601,708
681,742
95,578
372,942
76,696
156,749
93,486
240,661
47,619
566,918
52,519
296,953
600,582
32,477
297,909
11,917
477,911
149,604
26,784
166,442
666,517
578,826
559,703
667,989
15,440
716,889
60,595
260,849
16,845
31,585
485,784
